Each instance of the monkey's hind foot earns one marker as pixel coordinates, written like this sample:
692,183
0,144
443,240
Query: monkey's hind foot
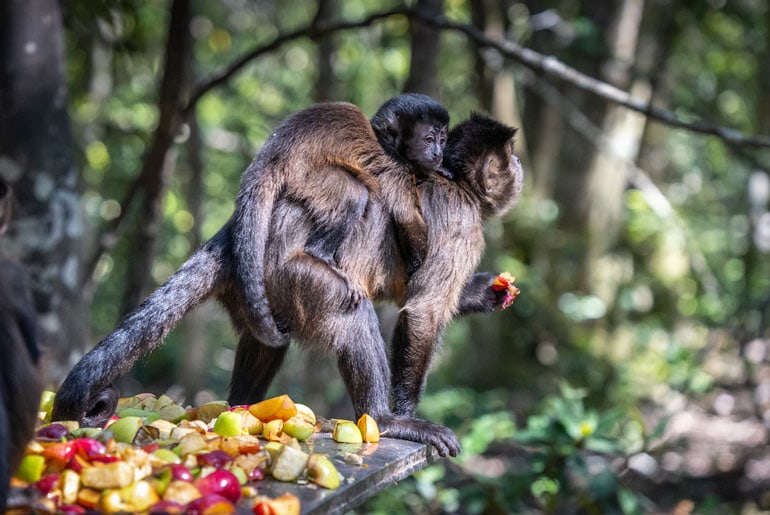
421,431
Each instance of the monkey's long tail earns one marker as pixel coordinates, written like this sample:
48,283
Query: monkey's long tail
140,332
253,211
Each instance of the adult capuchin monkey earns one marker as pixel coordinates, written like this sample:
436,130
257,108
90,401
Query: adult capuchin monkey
479,154
20,386
305,299
328,159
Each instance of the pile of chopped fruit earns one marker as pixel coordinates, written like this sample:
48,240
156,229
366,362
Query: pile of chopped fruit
155,456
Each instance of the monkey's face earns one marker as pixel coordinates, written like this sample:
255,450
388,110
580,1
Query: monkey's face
424,147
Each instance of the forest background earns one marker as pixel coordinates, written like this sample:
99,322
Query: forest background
631,374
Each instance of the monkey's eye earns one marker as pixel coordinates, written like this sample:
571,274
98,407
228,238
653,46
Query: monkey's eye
430,139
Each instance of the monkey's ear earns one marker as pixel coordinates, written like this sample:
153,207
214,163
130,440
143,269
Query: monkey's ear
388,127
481,175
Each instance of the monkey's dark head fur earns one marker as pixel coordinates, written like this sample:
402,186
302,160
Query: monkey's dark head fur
394,121
479,152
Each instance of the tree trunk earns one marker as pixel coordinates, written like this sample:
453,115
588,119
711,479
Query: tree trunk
36,159
153,180
325,84
423,68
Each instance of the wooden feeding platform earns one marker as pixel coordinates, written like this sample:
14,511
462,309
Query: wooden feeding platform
381,465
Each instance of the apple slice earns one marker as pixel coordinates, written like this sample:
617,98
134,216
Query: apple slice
370,432
273,430
228,423
281,407
346,431
289,464
31,468
126,428
298,427
306,413
321,471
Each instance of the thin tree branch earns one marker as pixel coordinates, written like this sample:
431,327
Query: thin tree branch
639,178
549,66
316,29
149,182
553,68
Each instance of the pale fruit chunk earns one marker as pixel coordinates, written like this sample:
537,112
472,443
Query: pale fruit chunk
281,407
346,432
298,427
135,497
306,413
250,424
69,484
110,475
273,430
321,471
192,443
289,463
368,428
181,492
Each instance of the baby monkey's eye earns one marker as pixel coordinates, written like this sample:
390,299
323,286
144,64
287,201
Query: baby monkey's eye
430,139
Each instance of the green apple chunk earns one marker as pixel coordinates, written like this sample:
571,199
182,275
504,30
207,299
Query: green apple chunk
297,427
321,471
125,429
346,432
31,468
228,423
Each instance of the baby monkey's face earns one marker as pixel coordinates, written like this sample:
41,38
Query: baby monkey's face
425,146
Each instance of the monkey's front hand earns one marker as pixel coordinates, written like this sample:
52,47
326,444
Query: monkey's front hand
421,431
352,293
91,410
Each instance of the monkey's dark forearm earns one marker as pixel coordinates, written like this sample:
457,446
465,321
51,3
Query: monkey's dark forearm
477,295
413,346
412,239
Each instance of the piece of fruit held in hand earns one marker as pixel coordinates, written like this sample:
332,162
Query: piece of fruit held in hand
504,283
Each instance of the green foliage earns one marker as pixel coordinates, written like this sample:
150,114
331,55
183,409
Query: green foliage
566,457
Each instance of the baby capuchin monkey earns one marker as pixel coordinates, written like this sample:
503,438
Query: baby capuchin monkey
20,386
412,129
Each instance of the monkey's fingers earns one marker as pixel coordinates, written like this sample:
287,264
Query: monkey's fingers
445,173
421,431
